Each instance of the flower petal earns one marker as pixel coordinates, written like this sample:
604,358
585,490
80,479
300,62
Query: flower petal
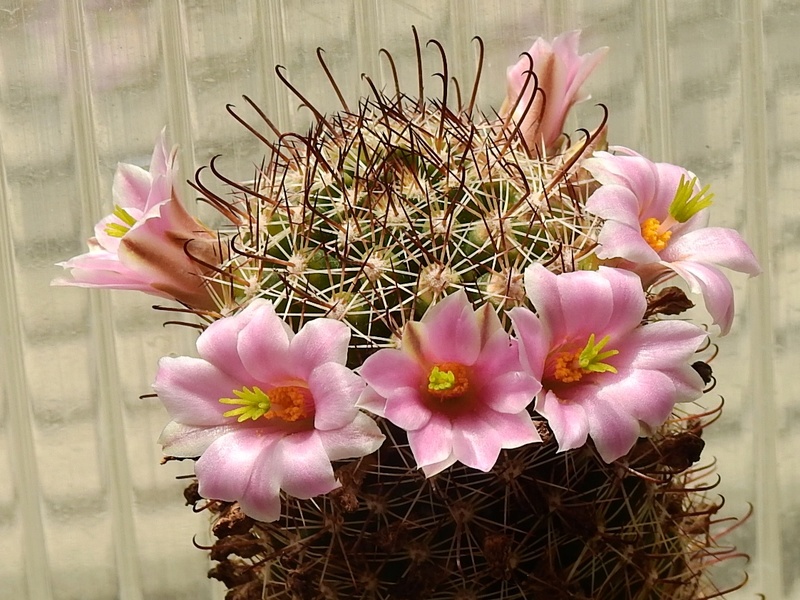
566,419
188,441
511,392
302,466
478,438
432,443
534,343
716,245
320,341
389,369
262,344
226,467
219,344
406,408
335,390
451,319
190,389
360,437
713,285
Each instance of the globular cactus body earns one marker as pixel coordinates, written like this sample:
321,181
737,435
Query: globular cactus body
371,218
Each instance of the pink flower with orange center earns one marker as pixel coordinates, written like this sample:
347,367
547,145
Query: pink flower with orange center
265,410
455,385
656,221
604,375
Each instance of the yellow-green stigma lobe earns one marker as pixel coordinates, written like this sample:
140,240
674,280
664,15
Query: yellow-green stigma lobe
687,203
254,404
591,358
440,380
117,229
448,380
570,367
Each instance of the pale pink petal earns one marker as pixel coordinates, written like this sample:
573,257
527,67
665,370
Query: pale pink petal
620,241
567,420
360,437
263,344
574,304
406,408
436,468
190,389
511,392
533,342
498,355
335,390
453,318
131,187
188,441
476,443
433,443
616,203
320,341
660,345
261,497
613,431
633,172
478,438
716,245
302,466
646,396
389,369
225,469
372,401
714,286
219,343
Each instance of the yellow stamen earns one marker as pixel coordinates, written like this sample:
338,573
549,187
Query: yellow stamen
287,403
566,367
653,236
448,380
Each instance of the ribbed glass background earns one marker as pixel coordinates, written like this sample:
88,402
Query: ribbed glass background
86,512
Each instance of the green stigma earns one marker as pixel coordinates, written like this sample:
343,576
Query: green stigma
440,380
591,358
116,229
254,404
686,203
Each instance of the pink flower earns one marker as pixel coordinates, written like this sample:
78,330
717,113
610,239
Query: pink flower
540,105
266,410
143,244
456,386
655,218
603,374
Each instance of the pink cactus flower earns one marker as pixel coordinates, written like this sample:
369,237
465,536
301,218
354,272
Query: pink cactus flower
540,105
603,374
656,220
143,244
455,385
264,409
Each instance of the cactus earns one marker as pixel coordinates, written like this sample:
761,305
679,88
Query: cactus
371,218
